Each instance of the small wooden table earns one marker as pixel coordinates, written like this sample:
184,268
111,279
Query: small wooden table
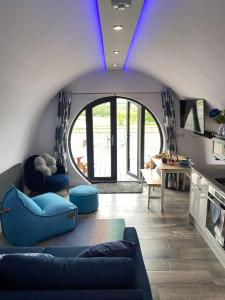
166,169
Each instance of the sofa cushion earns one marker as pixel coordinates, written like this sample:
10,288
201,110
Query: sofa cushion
57,179
52,204
111,249
56,273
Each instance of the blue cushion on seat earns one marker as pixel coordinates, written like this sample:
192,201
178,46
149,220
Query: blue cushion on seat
47,273
111,249
52,204
57,178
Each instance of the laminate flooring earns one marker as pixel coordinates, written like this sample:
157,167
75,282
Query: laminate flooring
179,263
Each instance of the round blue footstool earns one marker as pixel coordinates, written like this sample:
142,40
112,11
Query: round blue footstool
85,197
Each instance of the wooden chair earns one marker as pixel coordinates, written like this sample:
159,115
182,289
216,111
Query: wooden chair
153,180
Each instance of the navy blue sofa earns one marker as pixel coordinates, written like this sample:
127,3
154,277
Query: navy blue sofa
140,289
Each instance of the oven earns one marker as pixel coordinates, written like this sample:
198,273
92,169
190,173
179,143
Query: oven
215,218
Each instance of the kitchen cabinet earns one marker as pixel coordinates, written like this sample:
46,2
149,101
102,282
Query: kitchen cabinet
198,198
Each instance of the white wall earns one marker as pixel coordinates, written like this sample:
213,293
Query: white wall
90,87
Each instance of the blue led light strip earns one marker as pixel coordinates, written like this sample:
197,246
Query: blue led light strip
136,31
100,33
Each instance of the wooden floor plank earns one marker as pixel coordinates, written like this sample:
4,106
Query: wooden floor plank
180,277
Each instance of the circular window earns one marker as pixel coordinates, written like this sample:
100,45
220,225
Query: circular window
112,138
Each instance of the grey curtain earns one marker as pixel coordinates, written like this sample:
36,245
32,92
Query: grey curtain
169,120
169,123
63,115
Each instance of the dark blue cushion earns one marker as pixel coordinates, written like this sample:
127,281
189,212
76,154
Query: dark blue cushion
111,249
56,273
57,178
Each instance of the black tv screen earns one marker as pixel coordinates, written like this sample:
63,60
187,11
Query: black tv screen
192,115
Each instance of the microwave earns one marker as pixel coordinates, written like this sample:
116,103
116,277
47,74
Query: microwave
218,149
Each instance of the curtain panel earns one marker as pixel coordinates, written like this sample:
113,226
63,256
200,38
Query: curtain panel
63,115
169,122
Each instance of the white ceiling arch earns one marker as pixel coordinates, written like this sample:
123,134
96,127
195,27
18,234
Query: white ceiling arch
46,44
182,43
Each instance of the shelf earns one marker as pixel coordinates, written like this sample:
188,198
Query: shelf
206,134
219,137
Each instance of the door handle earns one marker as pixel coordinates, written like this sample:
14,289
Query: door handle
112,139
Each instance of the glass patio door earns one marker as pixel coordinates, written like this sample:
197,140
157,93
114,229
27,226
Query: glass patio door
101,124
133,138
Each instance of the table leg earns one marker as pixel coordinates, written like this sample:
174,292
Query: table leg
178,180
184,182
149,194
142,179
163,177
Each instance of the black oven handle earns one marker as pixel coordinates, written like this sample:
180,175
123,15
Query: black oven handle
216,201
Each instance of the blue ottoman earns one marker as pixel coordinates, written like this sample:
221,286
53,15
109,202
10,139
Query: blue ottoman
85,197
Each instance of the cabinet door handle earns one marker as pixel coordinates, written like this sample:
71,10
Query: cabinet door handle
197,187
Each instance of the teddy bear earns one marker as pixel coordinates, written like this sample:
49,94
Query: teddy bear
46,164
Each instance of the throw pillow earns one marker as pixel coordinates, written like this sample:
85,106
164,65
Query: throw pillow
46,164
111,249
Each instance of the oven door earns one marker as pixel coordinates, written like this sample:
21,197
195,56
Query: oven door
215,219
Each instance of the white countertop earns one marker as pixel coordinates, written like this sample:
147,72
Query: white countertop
210,172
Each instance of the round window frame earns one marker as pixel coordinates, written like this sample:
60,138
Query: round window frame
100,101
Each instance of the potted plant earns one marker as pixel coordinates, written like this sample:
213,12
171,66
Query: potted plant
219,117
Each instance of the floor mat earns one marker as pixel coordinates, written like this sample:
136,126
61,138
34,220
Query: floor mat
119,187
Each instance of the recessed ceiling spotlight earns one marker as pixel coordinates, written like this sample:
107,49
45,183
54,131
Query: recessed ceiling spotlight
121,4
118,27
116,52
114,65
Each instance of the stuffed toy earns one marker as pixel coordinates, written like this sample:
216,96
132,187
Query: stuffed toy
46,164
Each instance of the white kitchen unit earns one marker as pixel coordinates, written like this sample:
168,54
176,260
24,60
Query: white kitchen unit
198,198
207,207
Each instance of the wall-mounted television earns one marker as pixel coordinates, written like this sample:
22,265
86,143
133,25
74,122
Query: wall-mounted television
192,112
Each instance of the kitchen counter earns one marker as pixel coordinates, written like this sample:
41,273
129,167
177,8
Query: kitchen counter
210,172
203,205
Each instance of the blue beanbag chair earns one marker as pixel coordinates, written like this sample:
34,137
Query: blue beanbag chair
27,221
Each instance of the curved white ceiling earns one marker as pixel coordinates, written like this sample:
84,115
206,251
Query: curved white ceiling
46,44
182,43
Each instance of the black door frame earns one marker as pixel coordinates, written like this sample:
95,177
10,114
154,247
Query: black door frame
139,136
113,137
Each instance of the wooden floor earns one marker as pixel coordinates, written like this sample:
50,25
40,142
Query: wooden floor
178,261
